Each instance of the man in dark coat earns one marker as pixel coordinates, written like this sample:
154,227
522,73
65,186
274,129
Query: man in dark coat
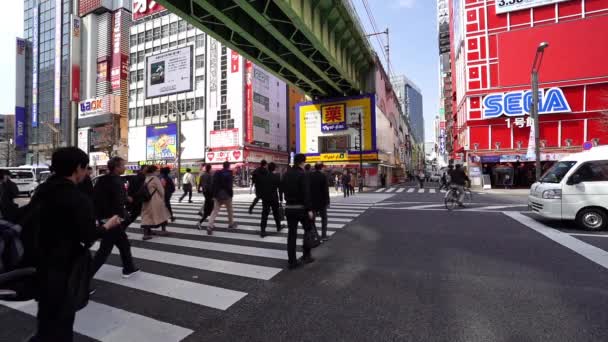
295,186
269,184
69,223
110,198
206,187
319,193
254,180
8,192
86,186
134,204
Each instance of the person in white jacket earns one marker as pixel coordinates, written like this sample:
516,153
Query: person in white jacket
188,183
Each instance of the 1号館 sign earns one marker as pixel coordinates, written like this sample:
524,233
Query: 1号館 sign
519,103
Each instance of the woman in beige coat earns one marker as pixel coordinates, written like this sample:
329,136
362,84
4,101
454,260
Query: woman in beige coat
154,213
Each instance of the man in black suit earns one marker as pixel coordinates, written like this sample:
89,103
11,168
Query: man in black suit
319,193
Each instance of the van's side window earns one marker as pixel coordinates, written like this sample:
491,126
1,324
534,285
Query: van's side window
594,171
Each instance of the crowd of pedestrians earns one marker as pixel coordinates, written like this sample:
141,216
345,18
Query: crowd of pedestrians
73,213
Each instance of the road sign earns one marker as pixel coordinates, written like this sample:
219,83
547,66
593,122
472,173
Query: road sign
587,145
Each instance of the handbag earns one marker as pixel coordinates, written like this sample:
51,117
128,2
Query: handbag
80,279
311,236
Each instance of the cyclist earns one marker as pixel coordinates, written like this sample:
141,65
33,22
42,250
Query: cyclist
458,181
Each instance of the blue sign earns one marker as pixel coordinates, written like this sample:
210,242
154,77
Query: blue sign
587,145
20,138
518,103
490,159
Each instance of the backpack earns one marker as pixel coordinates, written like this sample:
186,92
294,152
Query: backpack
170,185
143,193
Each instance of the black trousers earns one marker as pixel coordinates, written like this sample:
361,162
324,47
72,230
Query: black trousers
187,191
295,216
266,206
323,214
207,207
114,237
56,314
168,204
254,203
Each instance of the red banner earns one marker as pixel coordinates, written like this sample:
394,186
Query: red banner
249,101
234,61
144,8
75,82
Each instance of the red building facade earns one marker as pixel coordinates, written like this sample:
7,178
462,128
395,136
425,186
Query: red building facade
492,55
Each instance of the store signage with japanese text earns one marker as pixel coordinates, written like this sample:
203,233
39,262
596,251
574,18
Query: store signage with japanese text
340,157
120,61
20,138
234,61
333,117
249,100
222,156
224,138
519,103
57,66
505,6
75,59
102,71
144,8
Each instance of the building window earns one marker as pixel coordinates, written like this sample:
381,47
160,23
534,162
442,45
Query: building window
140,113
141,57
140,38
261,99
199,82
190,26
200,40
182,25
140,93
190,39
199,103
147,111
199,62
173,28
148,51
133,39
140,75
148,36
156,33
165,31
132,58
172,44
132,95
189,105
132,112
181,42
156,48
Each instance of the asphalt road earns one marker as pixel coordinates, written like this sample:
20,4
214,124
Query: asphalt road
405,269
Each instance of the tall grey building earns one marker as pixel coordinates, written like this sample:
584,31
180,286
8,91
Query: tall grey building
410,98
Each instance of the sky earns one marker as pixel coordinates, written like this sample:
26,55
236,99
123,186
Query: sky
11,18
412,26
414,48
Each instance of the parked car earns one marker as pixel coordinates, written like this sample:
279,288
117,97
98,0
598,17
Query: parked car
575,188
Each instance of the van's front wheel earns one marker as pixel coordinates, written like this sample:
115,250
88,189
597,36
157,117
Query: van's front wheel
593,219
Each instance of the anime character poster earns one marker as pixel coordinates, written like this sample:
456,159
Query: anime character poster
161,142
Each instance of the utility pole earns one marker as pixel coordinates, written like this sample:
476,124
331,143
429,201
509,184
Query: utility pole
538,58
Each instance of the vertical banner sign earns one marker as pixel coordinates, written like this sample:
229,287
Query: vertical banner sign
20,117
333,117
35,29
75,57
234,61
116,55
57,90
531,152
248,99
20,141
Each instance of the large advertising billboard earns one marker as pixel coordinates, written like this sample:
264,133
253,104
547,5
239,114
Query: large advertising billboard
144,8
161,142
504,6
169,72
320,145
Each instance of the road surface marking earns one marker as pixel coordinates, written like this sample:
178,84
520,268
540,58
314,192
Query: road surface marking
201,294
401,190
595,254
258,212
380,190
200,263
504,206
432,191
391,189
421,190
215,246
224,218
411,189
109,324
592,235
253,219
269,228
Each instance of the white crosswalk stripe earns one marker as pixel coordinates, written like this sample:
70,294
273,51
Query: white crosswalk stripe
401,190
169,266
432,191
411,189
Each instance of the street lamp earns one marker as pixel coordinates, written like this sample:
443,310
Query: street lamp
538,58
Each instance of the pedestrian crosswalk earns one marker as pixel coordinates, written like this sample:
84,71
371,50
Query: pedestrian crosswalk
398,189
187,269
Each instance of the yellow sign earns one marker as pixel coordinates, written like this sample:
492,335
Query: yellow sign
316,121
340,157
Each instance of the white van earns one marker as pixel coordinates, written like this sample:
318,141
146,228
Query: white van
575,188
27,177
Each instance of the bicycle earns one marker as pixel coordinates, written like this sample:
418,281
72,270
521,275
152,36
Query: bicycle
451,198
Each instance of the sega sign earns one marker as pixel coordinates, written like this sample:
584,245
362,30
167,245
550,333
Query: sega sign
518,103
90,106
